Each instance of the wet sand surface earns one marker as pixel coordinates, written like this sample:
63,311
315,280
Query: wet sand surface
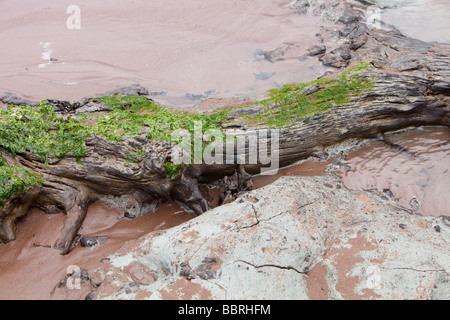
182,52
427,20
30,268
418,178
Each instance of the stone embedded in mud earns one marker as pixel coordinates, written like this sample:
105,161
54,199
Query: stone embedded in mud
348,16
50,209
10,98
384,4
348,29
337,58
89,296
414,204
301,6
358,42
133,90
90,242
317,50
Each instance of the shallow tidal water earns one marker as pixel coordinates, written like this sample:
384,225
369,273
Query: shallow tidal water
427,20
417,175
183,52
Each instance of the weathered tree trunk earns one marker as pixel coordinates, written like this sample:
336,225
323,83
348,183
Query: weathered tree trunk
412,88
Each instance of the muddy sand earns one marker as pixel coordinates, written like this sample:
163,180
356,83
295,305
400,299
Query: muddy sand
183,52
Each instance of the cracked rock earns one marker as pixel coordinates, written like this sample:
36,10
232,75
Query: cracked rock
352,244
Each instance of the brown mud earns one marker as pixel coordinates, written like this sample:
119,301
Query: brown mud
30,268
169,47
307,168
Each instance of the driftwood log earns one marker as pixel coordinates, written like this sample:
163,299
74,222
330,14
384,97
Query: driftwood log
411,88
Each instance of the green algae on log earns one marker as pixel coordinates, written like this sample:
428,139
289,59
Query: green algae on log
293,102
39,131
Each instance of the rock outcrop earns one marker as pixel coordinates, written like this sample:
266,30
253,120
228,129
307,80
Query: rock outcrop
298,238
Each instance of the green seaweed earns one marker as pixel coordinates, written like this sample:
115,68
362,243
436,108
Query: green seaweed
288,104
38,130
15,180
131,115
172,170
